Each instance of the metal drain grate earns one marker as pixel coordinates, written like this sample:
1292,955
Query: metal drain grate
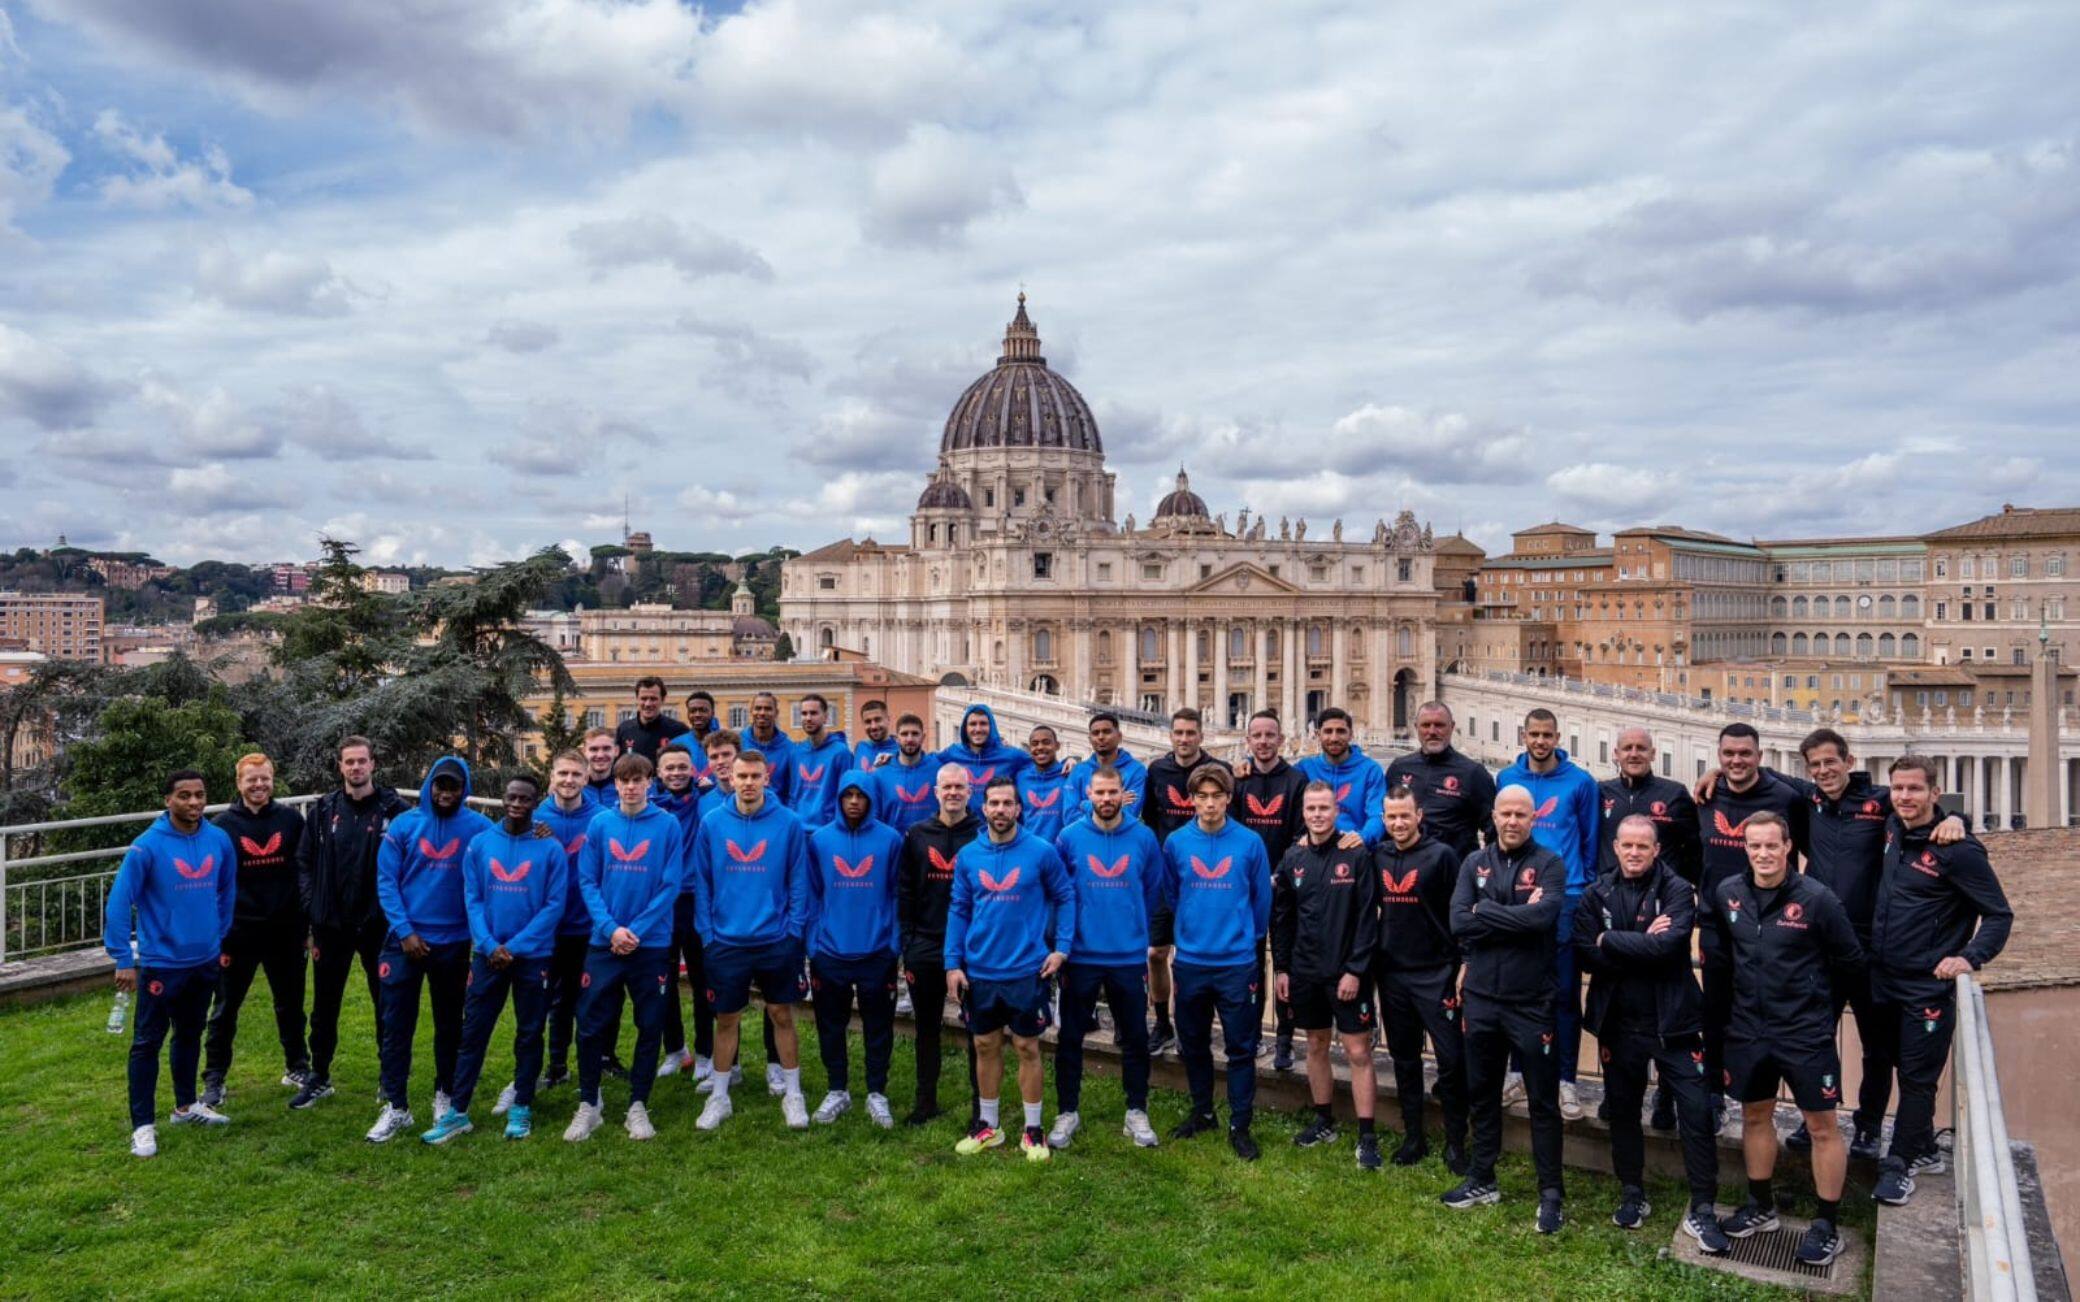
1772,1258
1778,1250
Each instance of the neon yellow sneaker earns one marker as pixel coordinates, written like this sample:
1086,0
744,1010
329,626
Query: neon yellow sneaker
1034,1142
978,1139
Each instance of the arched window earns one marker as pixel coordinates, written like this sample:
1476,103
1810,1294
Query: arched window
1863,646
1888,646
1149,646
1043,646
828,637
1887,607
1105,646
1841,608
1314,639
1238,643
1798,608
1841,644
1778,644
1271,644
1798,644
1910,607
1910,646
1778,607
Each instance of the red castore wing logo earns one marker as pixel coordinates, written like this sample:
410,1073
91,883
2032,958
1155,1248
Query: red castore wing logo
910,797
812,775
990,883
196,872
1546,810
1214,873
1725,828
1343,793
1402,885
1177,799
445,852
939,861
860,869
258,850
1098,868
977,778
1265,808
1037,801
628,855
514,874
741,855
577,844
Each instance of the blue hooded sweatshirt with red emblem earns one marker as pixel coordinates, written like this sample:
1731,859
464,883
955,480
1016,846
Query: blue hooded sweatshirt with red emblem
571,828
1044,799
1119,887
629,872
419,865
906,794
1566,817
852,883
183,888
993,759
1008,899
751,875
1361,790
513,889
818,769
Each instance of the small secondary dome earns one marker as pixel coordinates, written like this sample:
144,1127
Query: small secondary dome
943,494
1182,501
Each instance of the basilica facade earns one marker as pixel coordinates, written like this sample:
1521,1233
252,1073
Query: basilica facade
1018,574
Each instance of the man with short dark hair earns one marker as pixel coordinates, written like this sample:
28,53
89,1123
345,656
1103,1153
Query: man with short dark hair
821,761
1324,927
1940,913
1632,935
1455,791
1105,749
676,794
419,883
1267,802
1416,968
568,814
876,747
268,931
179,878
904,783
1504,911
651,727
766,737
336,880
1166,807
1357,779
981,749
1218,884
923,894
1043,786
700,713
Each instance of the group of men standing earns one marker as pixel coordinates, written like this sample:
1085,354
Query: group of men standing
1428,900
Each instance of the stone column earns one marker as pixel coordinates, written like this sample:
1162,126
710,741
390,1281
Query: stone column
1015,653
1220,673
1339,664
1127,667
1173,676
1260,667
2001,804
1380,675
1080,687
1295,692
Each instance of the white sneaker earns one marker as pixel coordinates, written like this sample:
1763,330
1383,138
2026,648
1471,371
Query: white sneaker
1512,1089
144,1141
879,1113
715,1113
1066,1124
794,1109
583,1122
1570,1102
903,1006
835,1104
392,1123
707,1085
776,1080
673,1063
442,1106
1138,1130
638,1123
505,1100
200,1114
703,1068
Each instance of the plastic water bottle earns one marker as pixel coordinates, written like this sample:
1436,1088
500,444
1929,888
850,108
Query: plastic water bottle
115,1013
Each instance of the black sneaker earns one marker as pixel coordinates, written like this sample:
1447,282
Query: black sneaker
1318,1131
1895,1183
1196,1124
1930,1163
1368,1153
553,1079
1752,1218
1799,1140
1282,1054
1160,1038
615,1068
1244,1144
922,1115
1471,1193
1455,1159
1820,1245
1864,1148
317,1087
295,1077
1702,1224
1633,1209
1664,1117
212,1092
1603,1109
1550,1217
1414,1148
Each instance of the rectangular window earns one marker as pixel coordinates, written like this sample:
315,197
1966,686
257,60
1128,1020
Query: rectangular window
1205,570
2021,657
1152,570
625,713
1104,571
2018,567
1357,574
1968,568
1990,654
1018,497
1319,573
1404,570
1043,565
1964,653
1942,612
596,718
826,583
1989,612
739,717
2055,566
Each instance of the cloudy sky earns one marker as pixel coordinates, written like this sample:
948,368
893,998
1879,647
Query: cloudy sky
454,278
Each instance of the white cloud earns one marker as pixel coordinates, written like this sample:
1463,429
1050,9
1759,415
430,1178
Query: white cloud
31,161
160,178
45,385
928,191
215,487
1613,490
211,426
292,284
693,249
522,336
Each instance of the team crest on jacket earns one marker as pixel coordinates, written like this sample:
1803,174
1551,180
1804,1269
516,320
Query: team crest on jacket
1659,809
1451,782
1608,806
1343,871
1794,915
1733,909
1929,1018
1529,877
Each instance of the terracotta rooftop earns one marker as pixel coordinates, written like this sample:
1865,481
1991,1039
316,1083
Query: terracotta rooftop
1459,544
1555,526
2015,522
2038,870
845,549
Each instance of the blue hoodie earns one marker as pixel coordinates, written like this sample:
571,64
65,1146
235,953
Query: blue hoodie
513,889
872,754
779,753
1361,791
1119,887
818,770
419,866
1043,800
686,810
995,759
1220,887
852,884
906,795
1567,809
1133,776
629,871
751,876
183,888
1007,900
703,773
571,830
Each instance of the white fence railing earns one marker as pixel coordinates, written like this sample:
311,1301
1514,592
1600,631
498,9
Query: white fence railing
1989,1203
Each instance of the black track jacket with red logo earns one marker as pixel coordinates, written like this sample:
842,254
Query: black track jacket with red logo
1269,805
1721,819
1324,920
1415,905
924,886
1845,844
1509,940
267,841
1787,962
1933,901
1168,785
1667,802
336,859
1612,945
1456,794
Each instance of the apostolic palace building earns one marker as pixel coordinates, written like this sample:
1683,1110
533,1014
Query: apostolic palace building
1017,574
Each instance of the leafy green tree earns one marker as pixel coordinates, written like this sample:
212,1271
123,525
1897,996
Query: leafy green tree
784,648
139,740
339,643
559,728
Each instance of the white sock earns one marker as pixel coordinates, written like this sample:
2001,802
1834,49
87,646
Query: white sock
1033,1114
721,1090
792,1076
989,1112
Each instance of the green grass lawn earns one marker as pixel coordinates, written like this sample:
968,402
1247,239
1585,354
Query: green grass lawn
297,1203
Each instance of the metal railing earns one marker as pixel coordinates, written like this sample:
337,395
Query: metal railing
50,914
1989,1202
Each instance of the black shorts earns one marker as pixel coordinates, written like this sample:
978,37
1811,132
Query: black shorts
1019,1005
1162,929
1754,1069
1316,1007
731,969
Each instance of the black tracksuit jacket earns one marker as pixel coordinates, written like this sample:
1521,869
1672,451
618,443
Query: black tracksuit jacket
1508,941
1324,919
1611,944
1933,901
